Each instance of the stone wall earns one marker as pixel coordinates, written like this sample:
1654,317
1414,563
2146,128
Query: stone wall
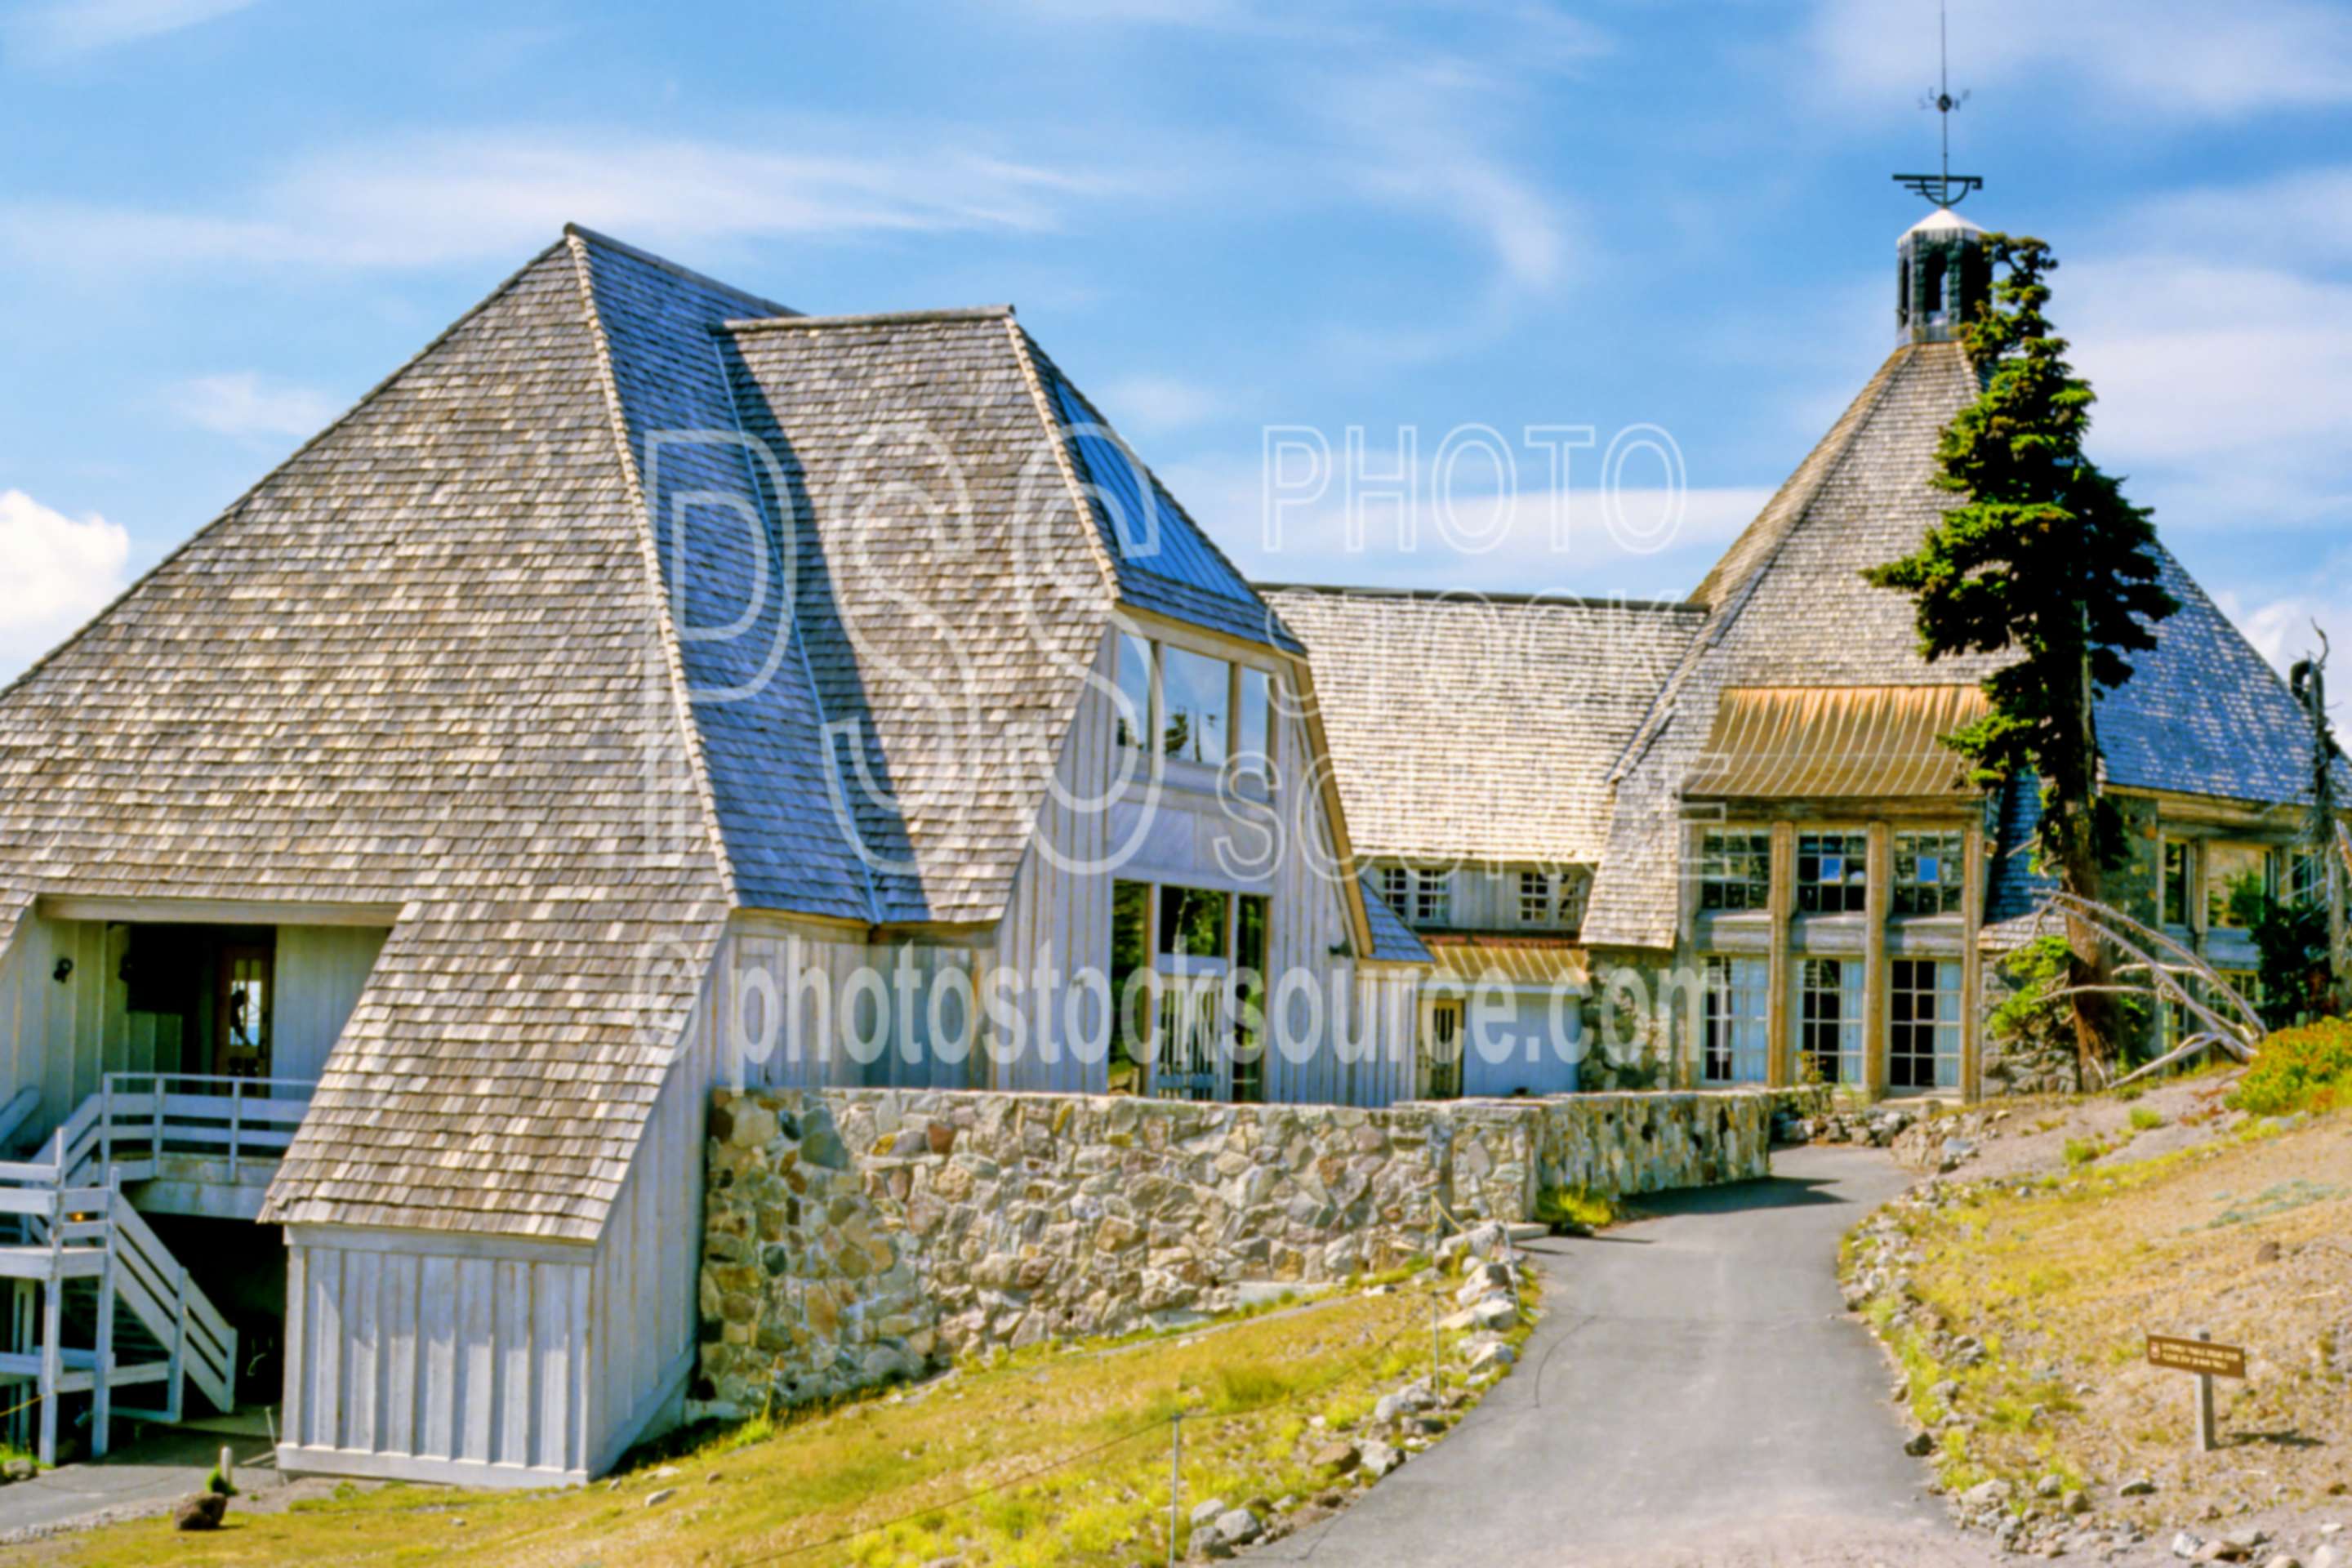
854,1236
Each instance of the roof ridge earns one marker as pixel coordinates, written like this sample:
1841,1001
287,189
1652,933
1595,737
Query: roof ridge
1481,595
580,231
872,319
1159,486
245,496
666,626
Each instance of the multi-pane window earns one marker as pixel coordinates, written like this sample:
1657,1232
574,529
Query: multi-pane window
1249,999
1575,887
2176,882
1735,868
1396,890
1441,1052
1196,697
1131,983
1833,873
1253,726
2231,871
1197,709
1194,922
1923,1027
1735,1047
1534,899
1927,873
1135,681
1433,902
1829,1019
2306,877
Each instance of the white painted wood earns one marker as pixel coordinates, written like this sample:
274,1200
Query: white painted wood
321,971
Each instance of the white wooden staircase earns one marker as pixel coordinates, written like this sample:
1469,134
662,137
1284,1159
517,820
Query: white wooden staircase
115,1312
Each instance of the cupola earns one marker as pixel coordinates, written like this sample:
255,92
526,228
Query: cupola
1941,274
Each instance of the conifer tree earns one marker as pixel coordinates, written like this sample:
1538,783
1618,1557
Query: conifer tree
2045,562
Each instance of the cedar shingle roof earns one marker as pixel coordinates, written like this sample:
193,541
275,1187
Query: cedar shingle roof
1468,727
2204,713
503,650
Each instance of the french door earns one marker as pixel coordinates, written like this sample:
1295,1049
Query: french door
1191,1032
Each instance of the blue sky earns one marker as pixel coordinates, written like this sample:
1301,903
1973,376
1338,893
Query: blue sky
223,220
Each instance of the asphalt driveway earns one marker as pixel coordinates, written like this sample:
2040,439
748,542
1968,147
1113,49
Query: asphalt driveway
1693,1395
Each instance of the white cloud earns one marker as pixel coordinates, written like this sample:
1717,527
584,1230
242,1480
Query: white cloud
1159,403
2158,59
429,200
60,571
63,29
247,403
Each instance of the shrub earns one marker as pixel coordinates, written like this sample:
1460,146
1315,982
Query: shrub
2144,1119
2306,1068
2079,1153
1577,1207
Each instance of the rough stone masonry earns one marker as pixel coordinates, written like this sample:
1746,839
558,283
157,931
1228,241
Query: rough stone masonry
855,1235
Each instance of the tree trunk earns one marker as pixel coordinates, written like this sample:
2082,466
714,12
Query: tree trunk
2090,970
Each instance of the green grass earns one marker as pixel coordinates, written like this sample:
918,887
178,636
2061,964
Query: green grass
2144,1119
968,1465
2308,1069
1577,1206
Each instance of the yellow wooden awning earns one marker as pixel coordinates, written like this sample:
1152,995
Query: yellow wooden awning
1782,742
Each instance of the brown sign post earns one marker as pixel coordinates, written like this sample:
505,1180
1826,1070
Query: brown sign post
2208,1361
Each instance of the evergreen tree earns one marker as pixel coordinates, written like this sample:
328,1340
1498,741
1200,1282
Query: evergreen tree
2046,562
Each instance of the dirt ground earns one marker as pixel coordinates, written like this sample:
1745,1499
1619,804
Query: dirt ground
2022,1287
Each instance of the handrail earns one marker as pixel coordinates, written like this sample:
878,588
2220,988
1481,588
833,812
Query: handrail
143,1107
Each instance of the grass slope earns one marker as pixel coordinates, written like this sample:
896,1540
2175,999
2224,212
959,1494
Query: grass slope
925,1458
2020,1306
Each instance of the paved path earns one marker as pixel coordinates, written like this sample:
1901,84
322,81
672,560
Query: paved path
1693,1395
141,1477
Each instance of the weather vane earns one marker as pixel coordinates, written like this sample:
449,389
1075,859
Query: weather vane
1945,189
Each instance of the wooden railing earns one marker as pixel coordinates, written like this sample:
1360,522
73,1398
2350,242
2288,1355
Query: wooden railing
143,1118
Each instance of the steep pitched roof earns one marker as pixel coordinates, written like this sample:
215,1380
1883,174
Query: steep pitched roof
1787,606
1481,726
421,663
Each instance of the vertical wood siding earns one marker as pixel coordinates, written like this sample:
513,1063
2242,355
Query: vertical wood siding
321,970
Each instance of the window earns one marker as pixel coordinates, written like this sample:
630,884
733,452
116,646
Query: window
2306,877
1193,922
1923,1032
1253,728
1735,869
2232,871
1190,1013
1574,887
1833,873
1133,708
1131,965
1249,999
1903,293
1396,890
1829,1015
1195,694
1433,903
1932,284
1736,1047
1441,1052
1534,899
2176,882
1929,873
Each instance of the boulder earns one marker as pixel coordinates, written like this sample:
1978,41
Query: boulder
1378,1460
1238,1527
1337,1459
200,1511
1204,1514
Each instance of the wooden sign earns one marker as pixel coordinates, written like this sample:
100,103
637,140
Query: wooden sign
2201,1356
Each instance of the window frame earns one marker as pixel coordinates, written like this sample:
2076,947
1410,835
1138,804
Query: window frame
1950,887
1736,1042
1845,1028
1943,1035
1719,860
1853,896
1432,896
1539,886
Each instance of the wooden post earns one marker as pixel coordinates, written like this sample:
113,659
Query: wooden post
2206,1442
1972,1002
1877,896
53,1328
101,1387
235,1127
1175,1479
179,1363
1780,900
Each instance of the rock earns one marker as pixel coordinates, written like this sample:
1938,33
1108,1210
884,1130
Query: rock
2328,1557
1238,1527
1985,1495
2283,1561
656,1498
1387,1409
2186,1546
200,1511
2139,1485
1492,1356
2076,1501
1378,1460
1338,1458
1494,1316
20,1469
1920,1445
1204,1514
2246,1540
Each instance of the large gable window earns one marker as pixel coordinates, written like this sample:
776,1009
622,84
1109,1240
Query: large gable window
1196,697
1196,707
1735,868
1929,873
1832,873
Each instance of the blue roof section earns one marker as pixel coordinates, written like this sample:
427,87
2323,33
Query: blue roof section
1392,940
1164,562
2016,889
2204,713
754,705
